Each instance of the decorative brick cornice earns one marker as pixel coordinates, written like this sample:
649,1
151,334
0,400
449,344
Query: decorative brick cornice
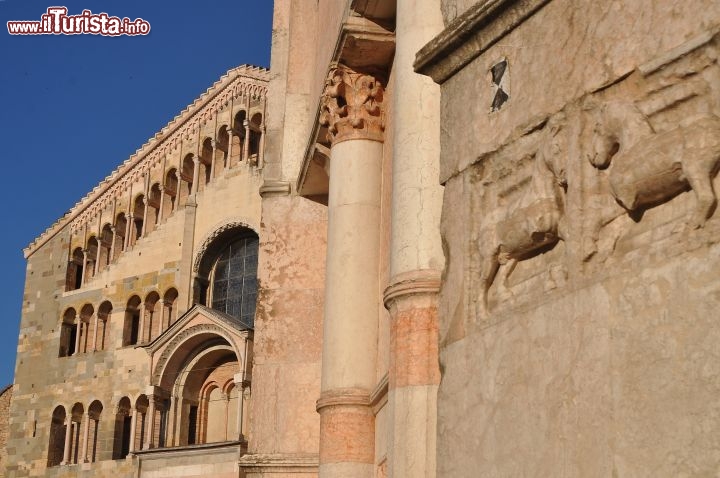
352,105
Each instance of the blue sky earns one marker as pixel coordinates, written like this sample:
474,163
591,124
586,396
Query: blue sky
74,107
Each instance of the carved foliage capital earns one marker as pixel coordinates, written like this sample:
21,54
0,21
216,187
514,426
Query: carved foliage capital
352,105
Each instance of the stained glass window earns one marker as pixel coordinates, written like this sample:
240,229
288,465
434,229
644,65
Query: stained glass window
234,280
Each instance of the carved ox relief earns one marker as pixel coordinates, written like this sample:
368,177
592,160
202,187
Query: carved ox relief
536,221
645,168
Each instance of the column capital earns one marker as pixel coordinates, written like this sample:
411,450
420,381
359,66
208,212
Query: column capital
352,105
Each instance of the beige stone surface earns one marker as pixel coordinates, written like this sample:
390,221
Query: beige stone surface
576,313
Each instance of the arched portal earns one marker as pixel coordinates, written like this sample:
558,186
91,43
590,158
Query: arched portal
199,376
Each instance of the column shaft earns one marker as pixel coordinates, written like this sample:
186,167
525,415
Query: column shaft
68,435
196,175
133,429
86,433
150,425
350,328
162,204
246,143
229,148
416,257
95,333
78,336
112,245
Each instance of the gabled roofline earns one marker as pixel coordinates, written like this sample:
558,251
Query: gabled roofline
221,319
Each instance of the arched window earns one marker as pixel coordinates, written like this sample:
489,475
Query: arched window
138,218
221,152
76,417
131,326
170,307
106,240
206,163
188,169
92,250
170,191
120,230
74,276
104,312
141,405
94,411
68,333
56,446
154,205
230,285
123,422
152,322
86,334
255,135
238,138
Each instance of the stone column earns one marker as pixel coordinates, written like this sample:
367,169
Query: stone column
196,175
84,269
78,331
141,325
96,266
112,244
145,215
261,153
86,433
416,256
171,434
213,143
162,203
240,385
352,111
150,424
229,148
95,332
133,429
68,435
128,228
246,143
178,185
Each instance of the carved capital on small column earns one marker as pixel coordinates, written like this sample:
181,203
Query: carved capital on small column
352,105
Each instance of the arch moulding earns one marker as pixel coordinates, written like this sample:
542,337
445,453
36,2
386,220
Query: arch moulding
216,231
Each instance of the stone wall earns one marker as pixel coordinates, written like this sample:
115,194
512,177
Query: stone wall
5,397
580,149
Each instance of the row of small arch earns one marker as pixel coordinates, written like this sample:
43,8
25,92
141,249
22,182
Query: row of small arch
80,334
80,444
161,200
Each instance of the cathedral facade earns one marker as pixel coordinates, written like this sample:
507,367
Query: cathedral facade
438,238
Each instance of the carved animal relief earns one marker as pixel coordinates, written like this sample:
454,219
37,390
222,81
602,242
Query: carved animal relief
536,220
